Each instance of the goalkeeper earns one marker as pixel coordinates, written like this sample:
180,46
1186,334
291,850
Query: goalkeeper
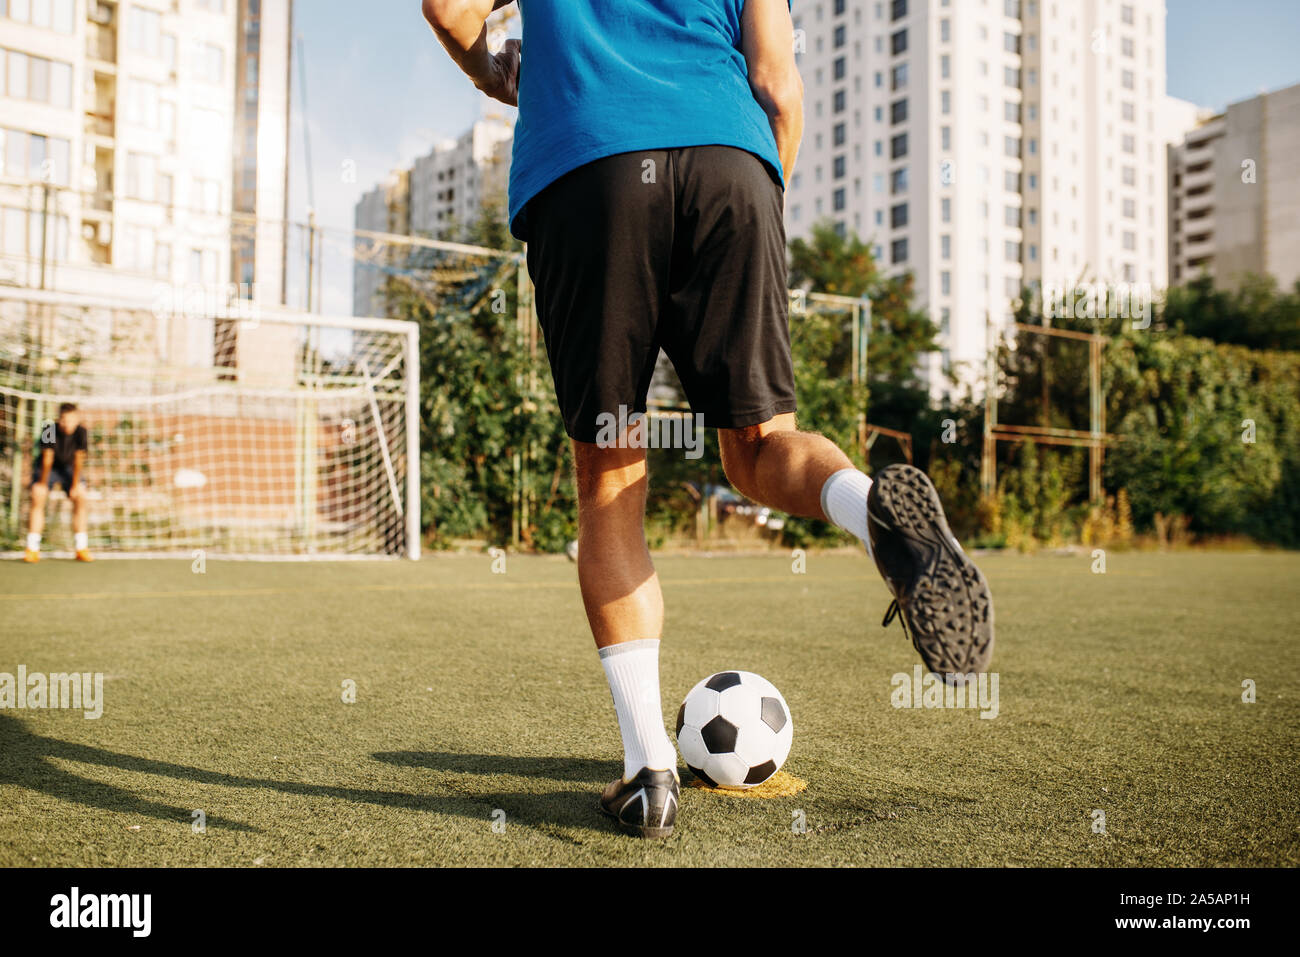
60,460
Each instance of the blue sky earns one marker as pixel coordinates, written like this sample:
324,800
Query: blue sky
381,92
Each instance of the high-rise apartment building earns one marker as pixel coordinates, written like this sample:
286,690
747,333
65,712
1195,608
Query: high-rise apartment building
1234,206
450,184
985,145
441,194
129,134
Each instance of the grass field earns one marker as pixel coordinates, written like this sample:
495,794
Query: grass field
1119,692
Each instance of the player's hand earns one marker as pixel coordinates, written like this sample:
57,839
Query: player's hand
501,82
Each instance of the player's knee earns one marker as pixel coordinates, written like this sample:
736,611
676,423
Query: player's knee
78,494
39,494
739,454
605,473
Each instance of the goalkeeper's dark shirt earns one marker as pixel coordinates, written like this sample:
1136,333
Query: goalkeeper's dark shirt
66,445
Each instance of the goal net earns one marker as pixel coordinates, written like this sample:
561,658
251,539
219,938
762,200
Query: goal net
238,430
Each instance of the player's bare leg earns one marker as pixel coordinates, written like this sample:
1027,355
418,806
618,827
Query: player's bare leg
625,609
36,521
776,465
942,598
619,586
81,522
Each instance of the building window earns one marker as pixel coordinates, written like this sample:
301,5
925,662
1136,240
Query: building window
898,111
898,42
34,78
898,251
898,10
838,167
898,216
24,156
898,181
838,134
898,146
143,31
898,77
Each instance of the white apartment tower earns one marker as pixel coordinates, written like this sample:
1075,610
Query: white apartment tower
986,144
132,133
441,194
450,184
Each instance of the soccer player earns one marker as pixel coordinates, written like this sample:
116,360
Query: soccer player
653,144
60,460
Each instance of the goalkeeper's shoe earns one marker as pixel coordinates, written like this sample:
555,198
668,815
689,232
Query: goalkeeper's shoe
31,556
941,597
646,806
83,555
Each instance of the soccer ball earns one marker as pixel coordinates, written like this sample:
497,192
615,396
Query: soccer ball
734,730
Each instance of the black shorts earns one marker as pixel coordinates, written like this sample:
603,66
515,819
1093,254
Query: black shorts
681,250
59,475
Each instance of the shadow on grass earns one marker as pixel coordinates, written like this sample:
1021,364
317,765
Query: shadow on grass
27,761
586,770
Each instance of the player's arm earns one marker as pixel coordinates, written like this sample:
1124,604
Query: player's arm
461,27
78,461
47,463
767,42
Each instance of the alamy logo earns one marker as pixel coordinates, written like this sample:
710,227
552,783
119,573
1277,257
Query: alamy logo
928,690
132,911
36,690
636,430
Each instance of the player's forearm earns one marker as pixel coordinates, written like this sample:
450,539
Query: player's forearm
77,461
47,464
774,79
461,28
782,101
787,127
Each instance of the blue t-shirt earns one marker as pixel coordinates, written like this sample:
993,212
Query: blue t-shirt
601,77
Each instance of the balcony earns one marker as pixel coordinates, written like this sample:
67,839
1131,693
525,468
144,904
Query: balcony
100,124
101,46
1194,181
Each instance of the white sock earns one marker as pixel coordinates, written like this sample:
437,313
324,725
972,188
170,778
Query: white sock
633,672
33,541
81,541
844,502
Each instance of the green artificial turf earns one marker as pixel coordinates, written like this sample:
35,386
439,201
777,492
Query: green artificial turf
1118,692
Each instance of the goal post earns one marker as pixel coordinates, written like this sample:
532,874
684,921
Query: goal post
239,430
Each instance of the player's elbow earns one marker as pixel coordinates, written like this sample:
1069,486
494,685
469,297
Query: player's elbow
779,92
442,13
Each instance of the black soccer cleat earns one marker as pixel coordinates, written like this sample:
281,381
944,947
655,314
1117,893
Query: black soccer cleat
942,598
646,806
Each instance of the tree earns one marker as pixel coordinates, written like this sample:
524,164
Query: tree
900,334
1257,314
